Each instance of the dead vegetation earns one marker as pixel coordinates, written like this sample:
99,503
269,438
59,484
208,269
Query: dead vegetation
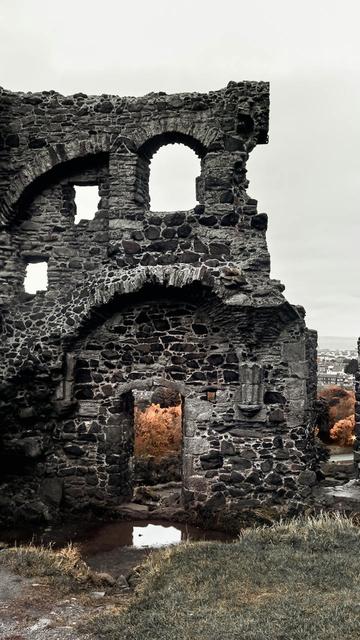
62,567
158,431
337,424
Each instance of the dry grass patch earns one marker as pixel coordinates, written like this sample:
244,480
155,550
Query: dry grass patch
63,567
297,581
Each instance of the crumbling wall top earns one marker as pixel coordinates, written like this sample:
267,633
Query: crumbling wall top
41,130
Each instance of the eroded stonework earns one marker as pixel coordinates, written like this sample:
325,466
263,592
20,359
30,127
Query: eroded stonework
138,300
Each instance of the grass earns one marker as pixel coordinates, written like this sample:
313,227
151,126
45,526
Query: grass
64,567
297,581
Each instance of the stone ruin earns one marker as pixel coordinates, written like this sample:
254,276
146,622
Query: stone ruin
138,300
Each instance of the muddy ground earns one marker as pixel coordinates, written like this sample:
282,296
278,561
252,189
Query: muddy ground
32,609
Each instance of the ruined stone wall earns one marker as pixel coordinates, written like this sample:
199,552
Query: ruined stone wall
357,419
211,316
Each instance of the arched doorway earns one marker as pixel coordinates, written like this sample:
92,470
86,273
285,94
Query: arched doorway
147,358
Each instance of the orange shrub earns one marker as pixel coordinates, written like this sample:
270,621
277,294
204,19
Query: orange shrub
341,403
343,431
158,431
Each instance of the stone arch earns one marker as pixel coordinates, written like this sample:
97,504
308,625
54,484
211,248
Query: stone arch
152,145
197,135
152,382
44,165
191,293
187,154
88,300
196,139
112,375
107,288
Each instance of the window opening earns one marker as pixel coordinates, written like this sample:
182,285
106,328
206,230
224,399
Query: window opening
86,202
173,172
36,277
211,395
158,436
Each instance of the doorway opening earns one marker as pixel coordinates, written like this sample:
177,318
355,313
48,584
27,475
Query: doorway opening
158,436
157,449
337,367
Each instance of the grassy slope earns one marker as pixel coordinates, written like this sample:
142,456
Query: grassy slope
288,582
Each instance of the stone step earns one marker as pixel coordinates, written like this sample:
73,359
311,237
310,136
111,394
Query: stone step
345,497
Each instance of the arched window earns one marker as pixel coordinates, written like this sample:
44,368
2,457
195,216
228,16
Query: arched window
173,172
169,172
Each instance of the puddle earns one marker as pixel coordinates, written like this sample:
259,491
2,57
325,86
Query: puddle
115,547
155,535
104,536
140,534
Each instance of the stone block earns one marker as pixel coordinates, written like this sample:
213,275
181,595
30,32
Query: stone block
197,483
195,445
51,491
293,351
88,408
307,477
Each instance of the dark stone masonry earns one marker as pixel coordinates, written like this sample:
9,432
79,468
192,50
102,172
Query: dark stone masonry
137,300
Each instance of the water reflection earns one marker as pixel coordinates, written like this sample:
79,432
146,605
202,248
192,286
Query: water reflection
142,534
155,535
104,536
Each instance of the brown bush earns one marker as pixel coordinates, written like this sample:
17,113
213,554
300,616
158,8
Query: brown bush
343,431
158,431
341,403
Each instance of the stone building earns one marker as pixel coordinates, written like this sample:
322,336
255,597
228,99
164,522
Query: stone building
357,419
138,300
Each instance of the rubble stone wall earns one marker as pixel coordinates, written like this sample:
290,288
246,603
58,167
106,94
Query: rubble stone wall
357,420
138,299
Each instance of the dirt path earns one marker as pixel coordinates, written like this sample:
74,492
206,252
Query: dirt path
31,609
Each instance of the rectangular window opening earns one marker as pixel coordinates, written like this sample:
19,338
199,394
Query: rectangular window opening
86,202
36,277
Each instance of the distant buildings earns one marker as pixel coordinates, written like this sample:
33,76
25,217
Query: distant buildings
331,364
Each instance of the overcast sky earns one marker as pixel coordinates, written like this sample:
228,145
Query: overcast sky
307,178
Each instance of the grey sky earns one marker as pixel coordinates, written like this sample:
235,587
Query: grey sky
306,179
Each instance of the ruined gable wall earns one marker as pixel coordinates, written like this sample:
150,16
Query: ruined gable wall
254,445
